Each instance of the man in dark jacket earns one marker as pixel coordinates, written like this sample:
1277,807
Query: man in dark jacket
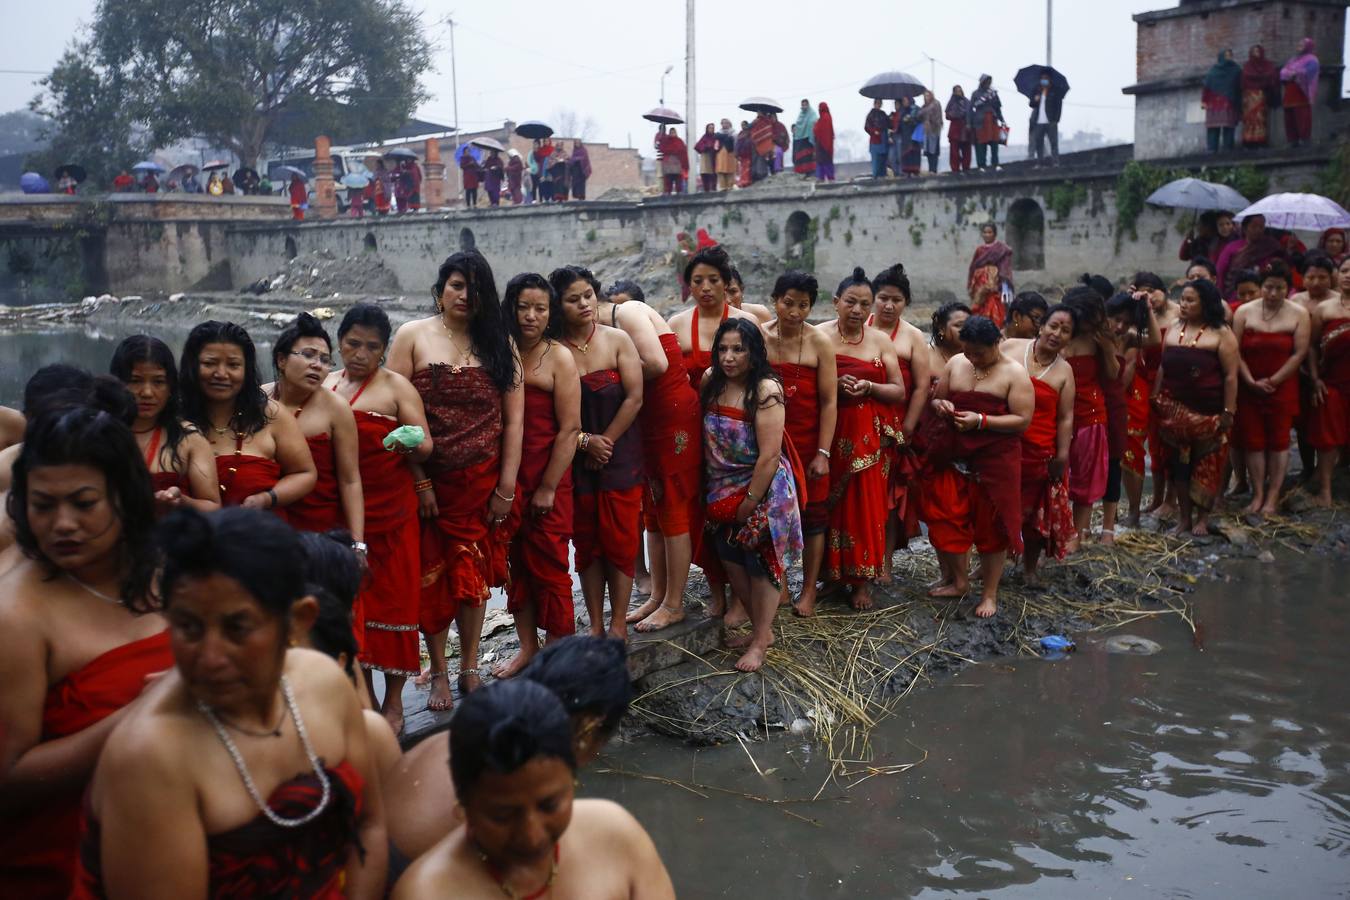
1046,106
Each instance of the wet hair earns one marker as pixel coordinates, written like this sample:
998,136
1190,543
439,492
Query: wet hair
1099,283
942,315
1205,263
1318,260
560,280
1124,304
50,384
980,331
989,224
893,277
626,286
531,281
303,326
1278,269
1088,304
1211,301
367,315
141,348
1246,275
90,435
504,726
1026,303
736,278
588,674
1148,281
250,406
793,280
333,577
1066,309
856,278
759,369
255,548
488,338
716,257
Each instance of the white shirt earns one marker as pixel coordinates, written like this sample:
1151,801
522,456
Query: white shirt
1041,117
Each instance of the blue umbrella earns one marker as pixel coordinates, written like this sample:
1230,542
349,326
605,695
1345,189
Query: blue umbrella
148,165
469,149
33,183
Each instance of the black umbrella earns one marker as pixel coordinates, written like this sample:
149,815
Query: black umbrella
663,115
400,153
892,86
76,173
244,174
761,105
1028,81
534,130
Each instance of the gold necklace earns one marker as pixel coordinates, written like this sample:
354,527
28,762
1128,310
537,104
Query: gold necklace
1273,316
1033,354
464,355
801,342
982,374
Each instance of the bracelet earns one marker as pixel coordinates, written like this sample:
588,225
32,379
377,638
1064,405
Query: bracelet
273,494
983,421
423,485
360,547
583,440
501,496
750,495
823,452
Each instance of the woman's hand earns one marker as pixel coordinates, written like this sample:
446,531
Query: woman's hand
258,501
498,507
855,387
944,408
426,504
541,504
1225,421
819,467
1319,392
1056,468
746,508
599,448
967,421
169,498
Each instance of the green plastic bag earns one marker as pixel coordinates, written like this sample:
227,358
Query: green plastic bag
406,436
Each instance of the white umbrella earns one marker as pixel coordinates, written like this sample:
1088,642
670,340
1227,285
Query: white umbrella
1298,212
1192,193
487,143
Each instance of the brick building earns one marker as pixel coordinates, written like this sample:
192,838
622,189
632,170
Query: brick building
1176,47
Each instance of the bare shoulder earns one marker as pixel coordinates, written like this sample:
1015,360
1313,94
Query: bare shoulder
600,818
769,389
1013,348
316,671
681,317
21,606
429,873
384,748
758,311
734,313
11,426
820,341
147,745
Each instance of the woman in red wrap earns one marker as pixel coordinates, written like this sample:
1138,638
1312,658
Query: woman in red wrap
464,366
540,593
869,389
736,297
803,357
1329,426
1135,330
1165,312
303,358
78,631
984,402
386,610
262,460
1272,335
1047,516
1092,356
911,353
246,771
1194,400
672,454
182,466
608,478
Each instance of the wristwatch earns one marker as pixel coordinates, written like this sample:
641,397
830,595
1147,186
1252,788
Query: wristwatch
359,546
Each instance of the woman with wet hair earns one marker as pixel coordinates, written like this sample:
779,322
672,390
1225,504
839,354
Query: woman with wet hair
608,478
1135,329
303,358
1195,399
540,591
1165,313
467,370
1092,356
623,290
736,297
182,466
944,334
1329,421
754,489
524,833
247,768
223,398
871,388
78,629
381,400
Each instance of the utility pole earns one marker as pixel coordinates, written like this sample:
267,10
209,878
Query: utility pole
454,88
1049,29
690,127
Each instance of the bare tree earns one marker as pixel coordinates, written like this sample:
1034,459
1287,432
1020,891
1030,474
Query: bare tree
850,146
567,123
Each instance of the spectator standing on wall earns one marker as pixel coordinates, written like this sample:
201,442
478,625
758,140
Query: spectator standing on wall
1222,99
515,175
725,162
674,157
745,156
1046,107
986,112
542,153
213,185
123,182
1260,92
299,194
803,140
557,171
579,170
824,135
470,173
761,139
877,125
958,133
930,116
781,142
1299,76
706,148
151,184
494,170
226,185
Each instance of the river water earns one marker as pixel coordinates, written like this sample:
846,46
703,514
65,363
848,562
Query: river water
1215,773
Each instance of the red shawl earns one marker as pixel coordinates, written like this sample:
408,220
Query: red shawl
761,134
319,510
995,254
823,131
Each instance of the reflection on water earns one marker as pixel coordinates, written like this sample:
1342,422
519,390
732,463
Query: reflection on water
1185,774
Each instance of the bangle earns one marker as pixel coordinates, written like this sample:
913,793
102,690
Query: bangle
501,496
359,546
983,420
823,452
423,485
273,494
583,440
750,495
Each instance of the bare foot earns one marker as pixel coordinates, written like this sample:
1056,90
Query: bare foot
1201,528
424,678
885,577
862,597
1132,521
1321,501
1180,530
1166,511
1271,509
618,630
1108,537
1252,508
512,668
752,661
737,641
643,585
988,606
643,611
661,617
806,604
736,618
469,682
440,699
934,585
1031,578
949,590
395,719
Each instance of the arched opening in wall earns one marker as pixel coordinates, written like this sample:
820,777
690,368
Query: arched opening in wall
800,243
466,240
291,251
369,243
1026,234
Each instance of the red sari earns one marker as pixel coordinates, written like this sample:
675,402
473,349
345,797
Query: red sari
902,466
697,361
464,412
1264,421
1088,454
990,270
802,429
38,849
607,505
540,570
241,476
1188,409
855,546
386,608
321,509
1329,426
1046,511
260,858
672,449
983,507
1150,360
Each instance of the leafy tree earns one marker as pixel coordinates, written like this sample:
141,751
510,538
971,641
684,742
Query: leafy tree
21,131
231,71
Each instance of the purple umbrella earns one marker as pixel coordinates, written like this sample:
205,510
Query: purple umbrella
1298,212
33,183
